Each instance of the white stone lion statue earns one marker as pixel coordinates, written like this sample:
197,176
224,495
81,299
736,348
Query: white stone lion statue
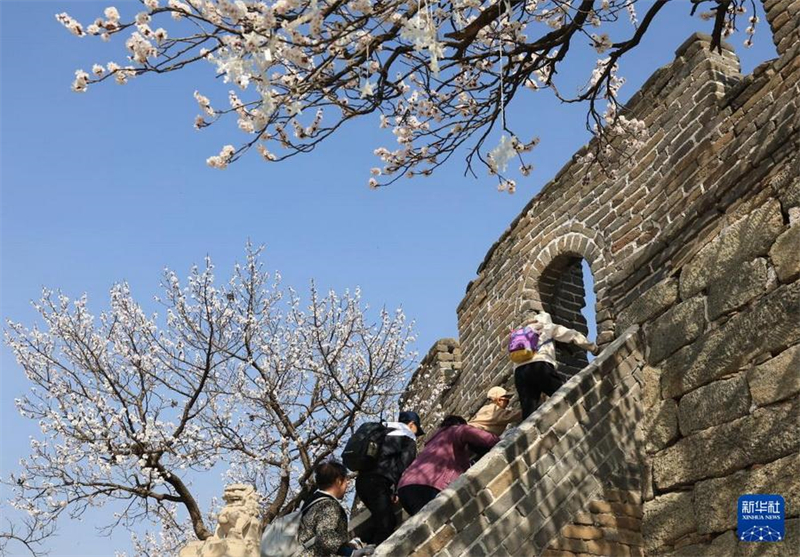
239,530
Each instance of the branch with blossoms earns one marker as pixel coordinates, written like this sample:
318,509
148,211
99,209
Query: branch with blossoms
439,73
29,533
133,407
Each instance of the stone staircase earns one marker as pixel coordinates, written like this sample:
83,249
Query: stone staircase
552,479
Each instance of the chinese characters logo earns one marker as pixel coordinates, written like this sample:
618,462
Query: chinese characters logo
761,518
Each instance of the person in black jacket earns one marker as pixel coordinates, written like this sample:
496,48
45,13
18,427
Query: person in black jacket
324,519
377,488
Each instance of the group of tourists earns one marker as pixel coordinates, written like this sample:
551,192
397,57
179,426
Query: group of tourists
389,468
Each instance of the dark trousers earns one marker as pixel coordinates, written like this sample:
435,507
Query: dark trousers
414,497
376,493
531,381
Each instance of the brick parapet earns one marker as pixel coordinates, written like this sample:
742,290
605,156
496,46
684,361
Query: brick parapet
696,243
522,493
783,21
607,230
436,374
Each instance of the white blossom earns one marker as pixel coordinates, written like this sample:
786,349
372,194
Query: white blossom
127,400
81,82
112,14
74,26
204,103
367,89
221,161
601,42
437,74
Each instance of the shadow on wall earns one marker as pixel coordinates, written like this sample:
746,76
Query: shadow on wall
577,448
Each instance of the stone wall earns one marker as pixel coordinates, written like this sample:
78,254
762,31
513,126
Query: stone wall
519,497
432,380
698,243
609,526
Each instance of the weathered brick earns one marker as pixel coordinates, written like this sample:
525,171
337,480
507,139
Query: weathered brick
466,515
568,544
677,327
557,553
413,535
776,379
569,419
743,241
464,537
714,404
651,389
506,502
610,520
581,532
721,546
540,448
621,535
785,254
661,425
555,498
758,438
605,547
737,288
545,533
520,540
623,496
513,473
436,543
501,528
657,299
583,518
739,339
715,500
667,518
556,408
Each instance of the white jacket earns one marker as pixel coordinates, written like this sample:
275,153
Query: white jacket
548,331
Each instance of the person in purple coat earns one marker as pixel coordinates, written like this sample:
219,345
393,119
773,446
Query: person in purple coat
444,458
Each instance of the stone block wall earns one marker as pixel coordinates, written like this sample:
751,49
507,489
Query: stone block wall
698,243
605,222
432,380
722,388
519,497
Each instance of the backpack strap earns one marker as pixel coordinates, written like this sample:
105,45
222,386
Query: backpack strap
309,543
311,504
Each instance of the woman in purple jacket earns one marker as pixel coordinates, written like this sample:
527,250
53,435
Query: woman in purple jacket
444,458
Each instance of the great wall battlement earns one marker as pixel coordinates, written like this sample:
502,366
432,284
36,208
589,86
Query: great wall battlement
695,254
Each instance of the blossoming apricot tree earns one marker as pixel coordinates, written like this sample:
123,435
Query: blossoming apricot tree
242,374
439,73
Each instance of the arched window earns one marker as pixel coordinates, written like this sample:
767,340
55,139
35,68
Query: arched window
563,294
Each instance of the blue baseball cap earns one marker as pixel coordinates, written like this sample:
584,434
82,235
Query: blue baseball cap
409,416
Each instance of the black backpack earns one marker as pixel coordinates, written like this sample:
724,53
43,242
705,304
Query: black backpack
363,449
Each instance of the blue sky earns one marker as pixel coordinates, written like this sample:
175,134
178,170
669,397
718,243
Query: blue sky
112,185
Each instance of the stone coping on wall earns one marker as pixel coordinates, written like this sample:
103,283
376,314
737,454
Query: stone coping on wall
522,491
